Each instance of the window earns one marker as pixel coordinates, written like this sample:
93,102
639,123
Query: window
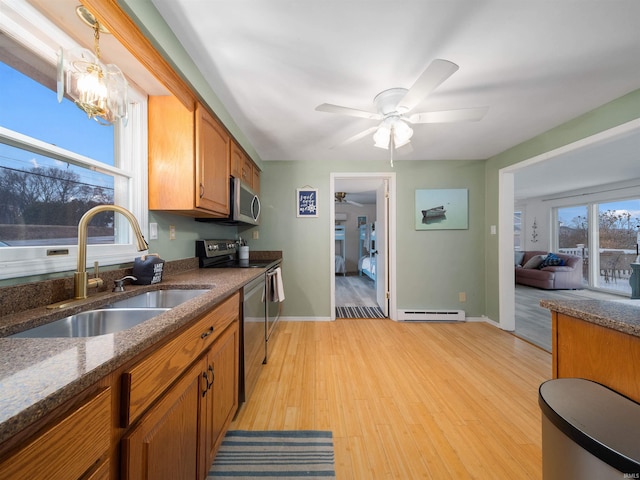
573,234
55,163
605,234
517,230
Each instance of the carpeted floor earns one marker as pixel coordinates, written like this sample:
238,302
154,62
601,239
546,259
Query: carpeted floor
359,312
300,454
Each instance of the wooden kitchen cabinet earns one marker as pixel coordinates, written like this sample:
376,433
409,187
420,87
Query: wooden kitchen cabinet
181,398
220,402
164,443
189,160
72,448
583,349
142,383
242,167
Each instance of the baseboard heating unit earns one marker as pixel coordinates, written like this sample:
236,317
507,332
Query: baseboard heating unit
431,315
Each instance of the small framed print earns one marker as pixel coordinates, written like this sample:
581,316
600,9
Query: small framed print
307,200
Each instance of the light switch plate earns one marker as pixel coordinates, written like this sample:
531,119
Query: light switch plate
153,231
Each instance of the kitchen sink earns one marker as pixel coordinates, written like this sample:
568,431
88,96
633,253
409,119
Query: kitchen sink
157,299
92,323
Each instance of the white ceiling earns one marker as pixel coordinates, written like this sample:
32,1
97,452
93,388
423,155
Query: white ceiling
535,64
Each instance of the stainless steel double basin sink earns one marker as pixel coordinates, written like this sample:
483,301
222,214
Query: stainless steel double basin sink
114,317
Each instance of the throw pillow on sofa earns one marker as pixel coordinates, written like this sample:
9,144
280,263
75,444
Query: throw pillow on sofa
519,256
535,261
552,260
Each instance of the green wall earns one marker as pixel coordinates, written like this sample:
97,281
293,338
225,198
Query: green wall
432,266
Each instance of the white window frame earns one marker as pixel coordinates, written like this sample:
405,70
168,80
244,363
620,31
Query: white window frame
17,20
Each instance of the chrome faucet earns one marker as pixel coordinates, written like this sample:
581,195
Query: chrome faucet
80,278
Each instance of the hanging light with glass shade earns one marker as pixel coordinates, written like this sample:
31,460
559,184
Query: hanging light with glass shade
99,90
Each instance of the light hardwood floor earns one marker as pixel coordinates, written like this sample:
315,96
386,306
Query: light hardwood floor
406,400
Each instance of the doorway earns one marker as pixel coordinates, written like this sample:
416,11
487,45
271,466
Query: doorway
363,245
605,144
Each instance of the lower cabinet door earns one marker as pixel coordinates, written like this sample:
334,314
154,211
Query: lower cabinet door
164,442
220,403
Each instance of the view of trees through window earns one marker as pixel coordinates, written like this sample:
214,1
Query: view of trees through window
617,230
43,198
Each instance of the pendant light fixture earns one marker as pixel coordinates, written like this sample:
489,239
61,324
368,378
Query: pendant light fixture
99,90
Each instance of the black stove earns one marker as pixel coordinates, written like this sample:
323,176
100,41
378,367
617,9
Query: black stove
223,254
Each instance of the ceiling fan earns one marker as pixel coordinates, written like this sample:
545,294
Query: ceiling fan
393,107
341,198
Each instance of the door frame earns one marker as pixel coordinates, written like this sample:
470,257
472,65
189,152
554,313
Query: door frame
391,259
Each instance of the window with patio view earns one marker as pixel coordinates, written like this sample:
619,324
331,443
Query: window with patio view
56,163
611,230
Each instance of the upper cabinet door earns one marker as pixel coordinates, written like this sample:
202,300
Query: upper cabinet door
212,153
188,160
242,167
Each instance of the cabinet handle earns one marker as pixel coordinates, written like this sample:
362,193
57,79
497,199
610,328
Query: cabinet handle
206,379
213,376
207,333
201,190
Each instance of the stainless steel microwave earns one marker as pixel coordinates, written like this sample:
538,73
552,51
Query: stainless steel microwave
245,204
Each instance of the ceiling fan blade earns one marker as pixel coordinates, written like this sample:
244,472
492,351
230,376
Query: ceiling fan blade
352,112
357,204
357,137
450,116
436,73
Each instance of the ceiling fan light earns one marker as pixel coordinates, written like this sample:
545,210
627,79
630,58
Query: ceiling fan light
381,137
402,133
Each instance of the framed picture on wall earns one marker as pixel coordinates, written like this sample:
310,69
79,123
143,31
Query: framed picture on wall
362,220
442,209
307,201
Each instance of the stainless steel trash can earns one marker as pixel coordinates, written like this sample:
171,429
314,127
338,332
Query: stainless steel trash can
588,431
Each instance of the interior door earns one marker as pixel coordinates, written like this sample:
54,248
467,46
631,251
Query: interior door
382,246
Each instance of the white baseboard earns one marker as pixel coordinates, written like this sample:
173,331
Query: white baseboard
306,319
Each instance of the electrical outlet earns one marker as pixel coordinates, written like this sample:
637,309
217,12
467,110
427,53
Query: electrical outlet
172,232
462,297
256,234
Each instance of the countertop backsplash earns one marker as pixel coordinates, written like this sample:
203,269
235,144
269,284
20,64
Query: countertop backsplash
19,298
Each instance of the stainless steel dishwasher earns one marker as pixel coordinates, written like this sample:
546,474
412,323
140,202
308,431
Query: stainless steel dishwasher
254,334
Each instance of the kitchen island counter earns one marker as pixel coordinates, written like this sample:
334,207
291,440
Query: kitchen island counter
597,340
622,316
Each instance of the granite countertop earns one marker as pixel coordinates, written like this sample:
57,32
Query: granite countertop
39,374
623,315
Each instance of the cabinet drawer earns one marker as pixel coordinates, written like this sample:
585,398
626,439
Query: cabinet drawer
67,449
144,382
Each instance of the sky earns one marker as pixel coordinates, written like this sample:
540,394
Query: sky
567,214
23,100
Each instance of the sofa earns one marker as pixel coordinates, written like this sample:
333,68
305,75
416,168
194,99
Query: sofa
550,271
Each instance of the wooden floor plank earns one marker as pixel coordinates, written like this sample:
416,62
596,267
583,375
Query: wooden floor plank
407,400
